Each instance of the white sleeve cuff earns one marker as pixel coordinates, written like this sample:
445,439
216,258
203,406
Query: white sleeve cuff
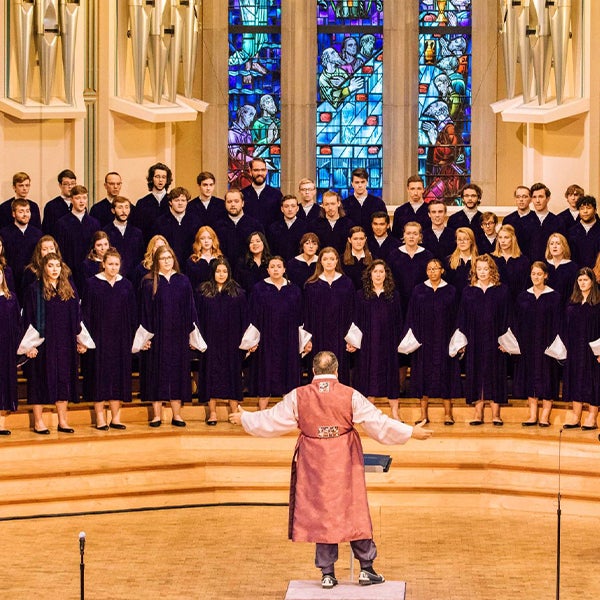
409,343
354,336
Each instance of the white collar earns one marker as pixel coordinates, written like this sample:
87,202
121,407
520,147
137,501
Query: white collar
271,282
259,188
324,376
403,249
478,284
313,260
416,205
563,261
102,277
167,277
359,256
442,283
546,290
335,277
178,218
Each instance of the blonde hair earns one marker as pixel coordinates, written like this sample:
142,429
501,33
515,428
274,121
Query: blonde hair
494,275
515,250
151,249
563,242
454,261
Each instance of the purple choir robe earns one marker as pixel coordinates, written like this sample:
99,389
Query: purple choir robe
147,210
567,220
211,213
376,364
484,244
584,244
52,375
460,219
55,209
360,214
6,217
170,315
355,271
535,323
233,236
562,279
539,232
405,213
10,336
18,247
459,277
298,270
483,317
277,314
328,313
382,250
284,241
431,316
130,246
264,208
198,271
110,315
179,234
581,373
248,274
102,212
522,226
408,272
314,212
335,236
514,273
441,246
223,321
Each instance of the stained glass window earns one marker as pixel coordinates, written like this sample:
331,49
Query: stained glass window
254,88
350,93
444,97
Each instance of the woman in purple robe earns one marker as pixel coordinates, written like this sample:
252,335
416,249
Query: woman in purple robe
301,267
253,267
156,242
536,322
205,250
51,307
328,308
562,271
276,312
110,315
33,271
9,341
356,256
93,263
458,264
483,316
168,313
223,314
430,322
512,265
581,375
378,316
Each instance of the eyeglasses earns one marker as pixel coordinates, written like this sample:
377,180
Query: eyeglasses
434,268
310,189
166,258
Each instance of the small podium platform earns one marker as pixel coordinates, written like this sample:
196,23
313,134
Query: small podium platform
345,590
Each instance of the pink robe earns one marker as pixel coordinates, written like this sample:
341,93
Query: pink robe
328,496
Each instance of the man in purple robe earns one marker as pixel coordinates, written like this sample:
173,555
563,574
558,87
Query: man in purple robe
333,228
60,205
413,210
469,216
570,216
309,208
517,219
102,211
380,242
284,234
360,205
328,495
261,201
439,239
209,208
21,185
584,236
541,222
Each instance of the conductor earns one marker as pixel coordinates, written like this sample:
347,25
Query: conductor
328,495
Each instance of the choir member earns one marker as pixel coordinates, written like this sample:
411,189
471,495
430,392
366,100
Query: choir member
20,238
356,256
328,308
261,201
155,203
110,315
234,229
284,234
309,209
302,266
8,274
483,317
520,224
33,271
125,237
581,374
512,265
52,309
469,216
570,216
439,239
360,205
223,313
430,323
168,313
381,243
145,266
378,318
276,312
486,236
536,322
60,205
253,267
9,341
103,210
94,261
584,236
209,208
21,185
460,261
332,228
413,210
205,250
541,223
561,269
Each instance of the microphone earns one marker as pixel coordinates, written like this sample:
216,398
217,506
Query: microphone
81,541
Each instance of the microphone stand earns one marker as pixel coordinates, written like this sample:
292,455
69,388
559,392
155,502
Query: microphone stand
558,514
81,566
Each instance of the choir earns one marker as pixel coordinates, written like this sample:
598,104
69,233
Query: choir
464,302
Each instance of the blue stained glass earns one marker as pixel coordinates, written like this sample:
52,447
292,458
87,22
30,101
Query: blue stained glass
254,88
349,94
445,97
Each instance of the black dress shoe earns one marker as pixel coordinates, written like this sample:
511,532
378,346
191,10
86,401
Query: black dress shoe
155,423
449,422
497,422
542,424
178,423
102,427
41,431
421,420
571,426
65,429
211,422
589,427
529,423
4,432
476,422
117,426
